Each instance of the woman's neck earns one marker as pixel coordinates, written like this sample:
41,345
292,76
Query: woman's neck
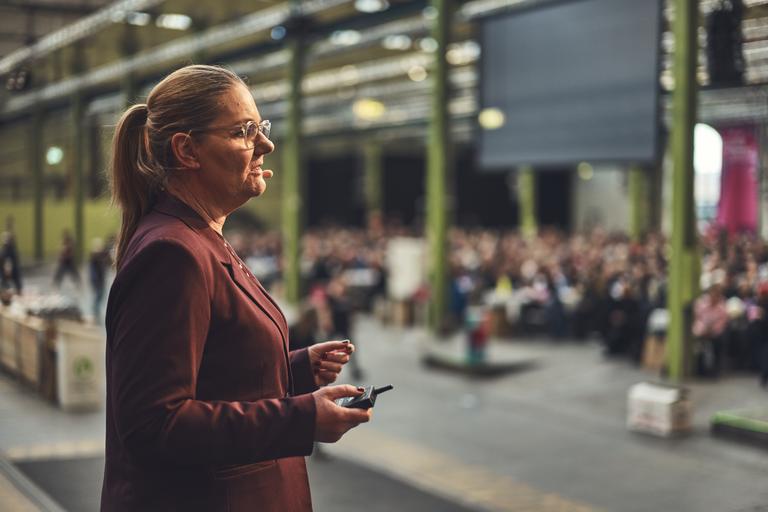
212,215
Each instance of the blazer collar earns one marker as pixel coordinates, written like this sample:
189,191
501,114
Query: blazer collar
168,204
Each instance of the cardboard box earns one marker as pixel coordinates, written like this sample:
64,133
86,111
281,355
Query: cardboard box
659,409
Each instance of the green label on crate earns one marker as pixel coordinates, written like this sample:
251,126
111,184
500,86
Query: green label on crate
83,368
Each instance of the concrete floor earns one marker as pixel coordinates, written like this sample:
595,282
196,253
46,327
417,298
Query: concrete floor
548,438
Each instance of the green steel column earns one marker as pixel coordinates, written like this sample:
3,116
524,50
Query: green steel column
438,173
128,45
78,173
526,201
78,155
292,172
35,161
130,91
684,264
372,171
638,202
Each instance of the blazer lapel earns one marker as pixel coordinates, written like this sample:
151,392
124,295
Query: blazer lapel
250,286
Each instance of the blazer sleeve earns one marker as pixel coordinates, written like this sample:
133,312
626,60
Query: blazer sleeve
303,376
160,318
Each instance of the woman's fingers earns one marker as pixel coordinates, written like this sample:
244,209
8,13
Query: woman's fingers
324,377
330,346
336,357
329,366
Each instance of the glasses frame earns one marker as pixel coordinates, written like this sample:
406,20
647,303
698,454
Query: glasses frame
264,127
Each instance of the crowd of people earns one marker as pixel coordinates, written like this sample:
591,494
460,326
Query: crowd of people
595,284
577,286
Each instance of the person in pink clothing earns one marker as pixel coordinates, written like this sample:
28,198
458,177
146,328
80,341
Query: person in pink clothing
710,321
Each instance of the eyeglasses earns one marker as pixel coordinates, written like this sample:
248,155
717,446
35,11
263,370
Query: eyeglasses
248,132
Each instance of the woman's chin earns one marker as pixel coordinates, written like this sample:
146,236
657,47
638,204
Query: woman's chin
257,185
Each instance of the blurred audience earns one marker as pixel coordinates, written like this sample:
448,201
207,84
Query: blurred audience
584,285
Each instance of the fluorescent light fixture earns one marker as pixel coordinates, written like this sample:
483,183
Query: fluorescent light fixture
462,53
585,171
397,42
368,109
428,45
429,13
54,155
345,37
277,33
491,118
371,5
139,19
174,21
417,73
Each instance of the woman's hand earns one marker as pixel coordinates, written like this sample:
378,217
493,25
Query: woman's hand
333,421
327,360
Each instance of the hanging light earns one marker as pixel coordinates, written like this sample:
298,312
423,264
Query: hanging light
371,5
491,118
174,21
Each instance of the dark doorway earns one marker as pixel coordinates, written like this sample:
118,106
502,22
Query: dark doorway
335,192
483,198
404,198
553,198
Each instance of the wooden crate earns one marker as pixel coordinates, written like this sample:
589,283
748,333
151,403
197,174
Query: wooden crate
79,365
32,333
9,356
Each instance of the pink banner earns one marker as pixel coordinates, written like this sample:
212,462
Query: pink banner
737,210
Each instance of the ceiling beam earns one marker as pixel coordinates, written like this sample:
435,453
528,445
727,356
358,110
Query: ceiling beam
50,7
74,32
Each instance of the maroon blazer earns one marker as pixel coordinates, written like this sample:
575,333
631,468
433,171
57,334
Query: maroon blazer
206,408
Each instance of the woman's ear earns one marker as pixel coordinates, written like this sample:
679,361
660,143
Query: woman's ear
184,151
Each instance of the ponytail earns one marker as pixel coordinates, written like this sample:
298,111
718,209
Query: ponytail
135,175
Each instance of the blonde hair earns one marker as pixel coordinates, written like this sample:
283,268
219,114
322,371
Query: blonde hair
186,99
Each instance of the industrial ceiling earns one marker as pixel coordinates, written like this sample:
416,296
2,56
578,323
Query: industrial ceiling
368,61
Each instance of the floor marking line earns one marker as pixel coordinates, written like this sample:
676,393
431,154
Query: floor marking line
445,475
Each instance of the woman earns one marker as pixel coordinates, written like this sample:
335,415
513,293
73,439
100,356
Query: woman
206,407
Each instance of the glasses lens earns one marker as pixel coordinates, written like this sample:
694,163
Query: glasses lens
265,127
252,131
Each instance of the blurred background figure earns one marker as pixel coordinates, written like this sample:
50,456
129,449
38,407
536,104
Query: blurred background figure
66,266
10,269
709,325
99,262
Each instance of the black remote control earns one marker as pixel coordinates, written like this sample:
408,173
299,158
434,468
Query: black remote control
364,401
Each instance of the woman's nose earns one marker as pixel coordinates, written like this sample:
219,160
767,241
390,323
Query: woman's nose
263,146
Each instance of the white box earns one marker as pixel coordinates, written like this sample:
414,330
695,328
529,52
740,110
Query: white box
659,409
80,352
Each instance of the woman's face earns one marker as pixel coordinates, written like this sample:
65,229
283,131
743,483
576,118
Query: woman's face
230,173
